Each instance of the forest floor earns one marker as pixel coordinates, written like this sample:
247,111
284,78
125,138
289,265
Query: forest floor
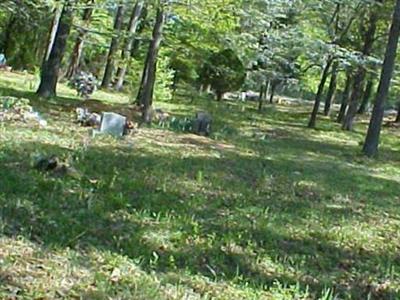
263,209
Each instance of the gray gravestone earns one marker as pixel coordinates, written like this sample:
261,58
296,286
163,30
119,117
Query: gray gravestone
112,123
202,124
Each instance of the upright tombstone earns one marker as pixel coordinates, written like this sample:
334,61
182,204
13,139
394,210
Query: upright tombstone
113,124
202,124
3,60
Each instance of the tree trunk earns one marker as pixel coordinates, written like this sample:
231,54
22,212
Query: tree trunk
398,114
372,140
345,98
367,94
332,89
51,66
139,30
359,78
78,47
220,95
267,86
325,73
146,90
7,34
263,95
273,89
126,53
108,73
54,28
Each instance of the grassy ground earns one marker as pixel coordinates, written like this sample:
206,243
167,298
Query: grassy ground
265,209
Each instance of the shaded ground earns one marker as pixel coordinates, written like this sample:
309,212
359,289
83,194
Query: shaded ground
264,209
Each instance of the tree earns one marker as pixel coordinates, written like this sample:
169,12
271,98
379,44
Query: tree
51,65
398,113
372,140
345,97
339,25
263,95
126,53
80,39
366,97
224,72
332,88
146,90
317,102
369,39
108,73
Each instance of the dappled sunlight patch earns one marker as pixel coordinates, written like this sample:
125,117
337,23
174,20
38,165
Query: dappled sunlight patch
308,190
186,145
29,271
165,215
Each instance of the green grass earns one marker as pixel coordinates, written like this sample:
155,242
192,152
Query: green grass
265,209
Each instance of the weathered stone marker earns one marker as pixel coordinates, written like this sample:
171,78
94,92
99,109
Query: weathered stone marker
113,124
202,124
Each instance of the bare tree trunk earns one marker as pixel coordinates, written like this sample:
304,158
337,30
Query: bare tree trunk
219,95
359,78
139,30
372,140
273,89
367,94
317,102
263,95
345,98
126,53
398,114
53,32
332,89
7,34
79,42
108,73
146,90
51,66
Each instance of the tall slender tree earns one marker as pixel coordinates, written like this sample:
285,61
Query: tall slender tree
367,95
338,35
374,130
263,95
8,33
397,120
51,64
332,88
317,102
126,52
54,28
146,89
109,70
345,97
80,40
359,78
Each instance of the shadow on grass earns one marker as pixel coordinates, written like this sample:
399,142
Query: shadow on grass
214,226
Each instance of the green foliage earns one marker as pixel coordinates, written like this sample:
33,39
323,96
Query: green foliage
224,71
164,79
7,103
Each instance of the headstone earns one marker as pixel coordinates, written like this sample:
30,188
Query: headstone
3,59
243,96
113,124
81,114
202,124
85,118
252,96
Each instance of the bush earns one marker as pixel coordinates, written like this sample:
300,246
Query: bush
224,71
84,83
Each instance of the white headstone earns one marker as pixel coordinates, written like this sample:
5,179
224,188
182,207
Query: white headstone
112,123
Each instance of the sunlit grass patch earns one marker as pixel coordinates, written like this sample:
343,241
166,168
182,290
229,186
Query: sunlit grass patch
262,209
